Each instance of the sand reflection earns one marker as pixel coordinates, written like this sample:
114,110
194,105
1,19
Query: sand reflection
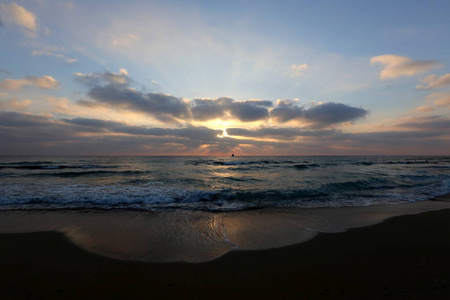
196,236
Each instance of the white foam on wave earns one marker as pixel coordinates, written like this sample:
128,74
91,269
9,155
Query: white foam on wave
157,195
231,163
152,195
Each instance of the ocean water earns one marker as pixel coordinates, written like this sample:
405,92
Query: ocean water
217,183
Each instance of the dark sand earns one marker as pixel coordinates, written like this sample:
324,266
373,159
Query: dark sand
405,257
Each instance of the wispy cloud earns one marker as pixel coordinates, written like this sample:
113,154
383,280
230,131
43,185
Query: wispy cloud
13,84
423,109
55,54
17,16
59,104
15,104
395,66
432,82
298,70
45,82
435,123
440,99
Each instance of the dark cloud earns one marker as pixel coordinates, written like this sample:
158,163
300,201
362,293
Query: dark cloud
398,137
249,111
162,107
434,123
286,111
321,115
113,90
394,142
279,133
21,120
199,133
210,109
220,108
22,133
96,79
331,113
34,134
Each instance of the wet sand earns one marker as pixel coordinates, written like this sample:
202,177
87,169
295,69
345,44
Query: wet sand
406,257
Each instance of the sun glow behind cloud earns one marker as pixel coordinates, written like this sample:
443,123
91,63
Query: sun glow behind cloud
183,78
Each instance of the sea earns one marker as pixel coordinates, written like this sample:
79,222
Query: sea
158,183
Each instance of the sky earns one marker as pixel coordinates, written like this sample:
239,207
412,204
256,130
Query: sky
197,77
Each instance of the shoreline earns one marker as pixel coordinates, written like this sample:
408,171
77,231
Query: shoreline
402,257
200,236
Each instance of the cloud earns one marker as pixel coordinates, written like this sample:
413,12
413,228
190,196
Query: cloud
434,82
23,133
60,104
210,109
226,108
113,90
333,113
320,115
250,111
440,99
297,70
45,82
13,84
392,139
14,103
395,66
21,120
89,103
397,142
434,123
423,109
286,111
279,133
165,108
16,15
57,55
199,133
44,134
125,40
72,60
106,78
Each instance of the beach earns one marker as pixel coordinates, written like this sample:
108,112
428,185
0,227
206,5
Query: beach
404,257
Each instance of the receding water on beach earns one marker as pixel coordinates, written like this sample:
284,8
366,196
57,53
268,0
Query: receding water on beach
217,183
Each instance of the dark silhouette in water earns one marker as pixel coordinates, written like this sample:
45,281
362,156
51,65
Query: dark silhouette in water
232,154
